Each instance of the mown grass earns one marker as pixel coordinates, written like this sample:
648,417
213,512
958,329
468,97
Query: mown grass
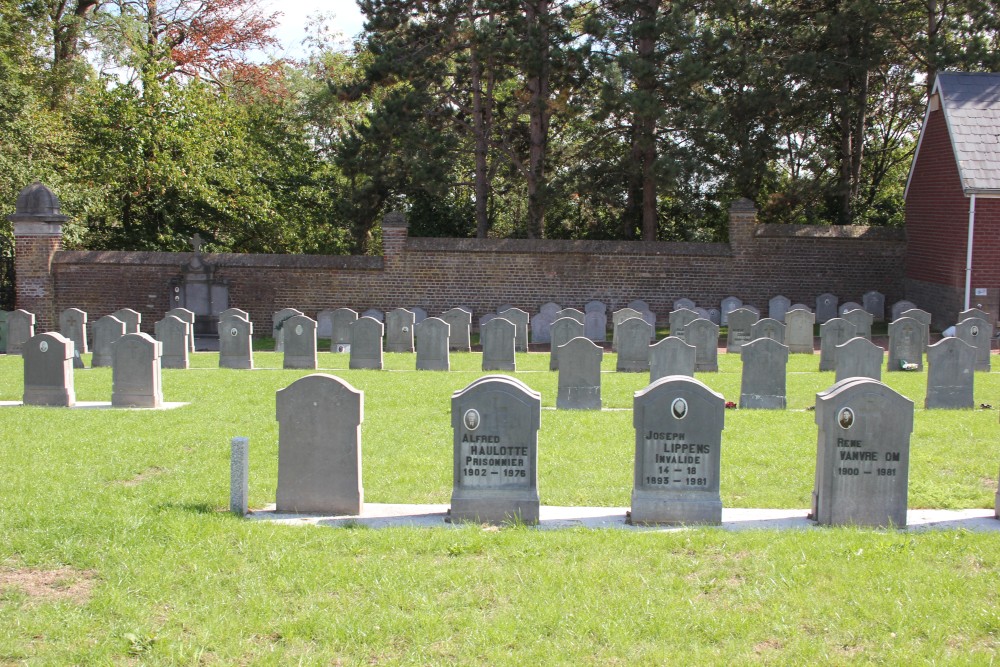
136,501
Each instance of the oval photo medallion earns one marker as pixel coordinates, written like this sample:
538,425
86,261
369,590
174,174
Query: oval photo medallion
43,346
974,331
846,418
679,408
471,419
234,331
298,329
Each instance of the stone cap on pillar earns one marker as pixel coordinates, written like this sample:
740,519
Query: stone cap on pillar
742,205
395,219
37,212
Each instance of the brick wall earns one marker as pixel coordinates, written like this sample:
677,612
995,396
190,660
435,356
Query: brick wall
34,287
760,261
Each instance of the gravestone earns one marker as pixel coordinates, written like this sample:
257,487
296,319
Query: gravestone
432,344
778,306
906,344
136,381
671,356
550,308
20,329
375,314
826,307
901,307
863,455
235,342
131,318
497,337
617,318
48,370
924,318
714,316
684,303
107,331
234,311
832,333
678,440
642,308
847,306
579,375
978,333
573,313
324,324
366,343
299,334
741,321
704,335
419,314
173,334
729,304
595,321
973,312
495,421
768,327
185,315
633,337
541,327
340,329
703,313
859,358
278,325
950,374
874,303
239,476
862,321
679,319
800,306
399,330
484,319
73,325
519,319
3,331
564,330
762,386
460,322
319,445
799,331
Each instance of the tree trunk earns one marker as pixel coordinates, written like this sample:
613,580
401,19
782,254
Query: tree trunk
481,118
537,70
646,114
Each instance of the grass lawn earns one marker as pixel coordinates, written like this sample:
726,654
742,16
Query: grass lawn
115,546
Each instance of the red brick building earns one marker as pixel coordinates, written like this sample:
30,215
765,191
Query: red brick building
953,200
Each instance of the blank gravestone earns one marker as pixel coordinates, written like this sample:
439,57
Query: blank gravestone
495,421
901,307
432,344
340,329
188,316
319,446
595,321
20,329
862,455
678,440
399,330
835,331
484,319
799,331
826,307
671,356
131,318
573,313
3,331
136,380
239,312
906,345
741,321
278,325
419,314
729,304
978,333
497,337
579,375
617,318
777,307
299,334
519,319
862,320
704,335
633,337
173,334
375,314
48,371
684,303
642,308
541,323
768,327
679,319
859,358
235,342
73,325
460,321
924,318
324,324
107,331
973,312
762,385
874,303
564,330
950,374
366,344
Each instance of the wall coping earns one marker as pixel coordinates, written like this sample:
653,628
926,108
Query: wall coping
562,246
179,260
862,232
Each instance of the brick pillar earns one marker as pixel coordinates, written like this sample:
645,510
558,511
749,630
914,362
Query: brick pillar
37,238
395,230
742,218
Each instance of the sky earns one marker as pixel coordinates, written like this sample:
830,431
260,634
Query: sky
295,14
